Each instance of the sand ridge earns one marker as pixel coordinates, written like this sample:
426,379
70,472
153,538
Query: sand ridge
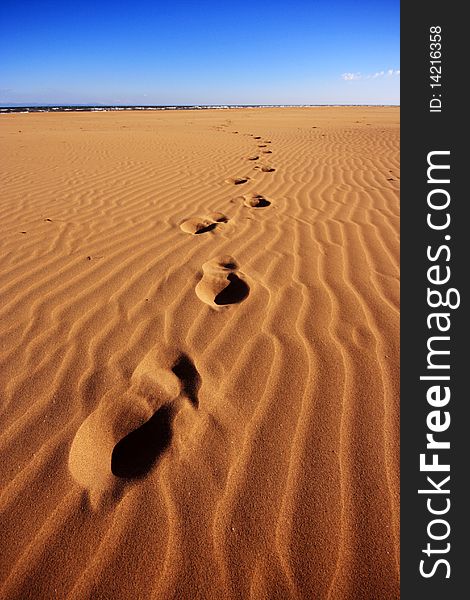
199,359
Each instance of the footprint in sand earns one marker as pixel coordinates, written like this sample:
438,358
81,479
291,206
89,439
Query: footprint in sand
129,432
222,284
256,201
267,151
198,225
267,169
256,137
237,180
261,145
252,157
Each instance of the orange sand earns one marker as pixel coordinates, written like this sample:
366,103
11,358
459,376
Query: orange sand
223,284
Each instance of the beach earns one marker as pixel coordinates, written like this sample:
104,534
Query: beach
199,361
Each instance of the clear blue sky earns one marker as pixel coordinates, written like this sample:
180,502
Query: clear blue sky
200,52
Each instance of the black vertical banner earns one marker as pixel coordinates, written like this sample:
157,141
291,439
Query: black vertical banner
435,435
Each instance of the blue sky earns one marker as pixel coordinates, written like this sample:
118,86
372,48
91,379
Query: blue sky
200,52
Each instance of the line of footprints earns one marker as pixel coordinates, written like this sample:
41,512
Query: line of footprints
222,283
124,437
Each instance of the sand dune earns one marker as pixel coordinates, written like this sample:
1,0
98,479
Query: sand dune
199,354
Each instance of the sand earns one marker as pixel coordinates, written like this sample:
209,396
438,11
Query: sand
199,354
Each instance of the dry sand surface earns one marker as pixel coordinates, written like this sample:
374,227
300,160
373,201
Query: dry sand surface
199,354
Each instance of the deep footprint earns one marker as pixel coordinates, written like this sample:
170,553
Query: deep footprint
220,286
237,180
130,429
256,201
198,225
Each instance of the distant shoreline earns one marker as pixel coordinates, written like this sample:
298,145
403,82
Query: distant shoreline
111,107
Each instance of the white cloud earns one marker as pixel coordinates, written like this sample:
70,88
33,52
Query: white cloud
351,76
377,75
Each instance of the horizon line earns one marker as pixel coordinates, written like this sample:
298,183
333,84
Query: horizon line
60,105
